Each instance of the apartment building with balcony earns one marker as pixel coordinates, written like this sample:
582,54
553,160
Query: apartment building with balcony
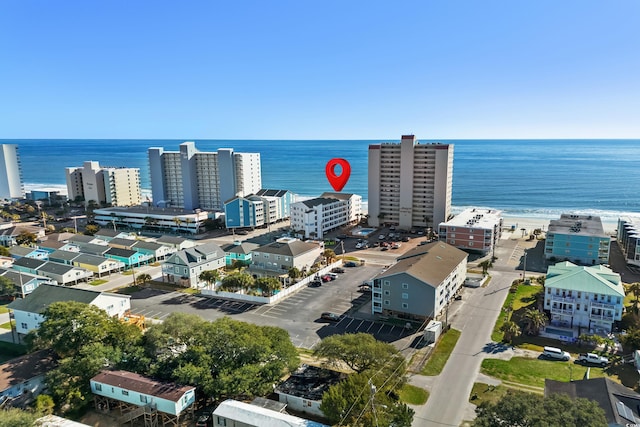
192,179
285,253
577,238
314,218
410,183
629,239
421,283
583,296
10,172
474,229
115,186
264,208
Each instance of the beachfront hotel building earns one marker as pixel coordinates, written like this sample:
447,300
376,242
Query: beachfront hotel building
264,208
410,183
577,296
629,239
577,238
192,179
313,218
474,229
10,172
115,186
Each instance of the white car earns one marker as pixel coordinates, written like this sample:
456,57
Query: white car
359,245
381,237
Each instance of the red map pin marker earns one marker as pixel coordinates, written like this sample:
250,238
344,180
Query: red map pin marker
338,181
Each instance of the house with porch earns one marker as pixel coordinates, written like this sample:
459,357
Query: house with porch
86,248
157,251
175,242
421,283
25,283
122,243
64,274
160,403
98,265
63,257
22,379
128,257
29,252
28,312
589,297
184,267
107,234
84,239
239,251
10,232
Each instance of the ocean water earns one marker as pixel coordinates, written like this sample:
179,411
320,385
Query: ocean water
524,178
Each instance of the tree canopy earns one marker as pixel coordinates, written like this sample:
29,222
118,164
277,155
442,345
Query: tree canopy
520,409
7,287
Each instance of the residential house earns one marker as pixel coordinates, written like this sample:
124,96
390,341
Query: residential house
122,243
421,283
29,252
239,252
63,257
28,265
9,233
6,261
621,405
170,400
56,421
473,230
578,296
184,267
303,390
81,239
87,248
23,378
107,234
232,413
28,315
25,283
128,257
314,218
98,265
155,250
629,239
264,208
177,243
64,274
577,238
278,257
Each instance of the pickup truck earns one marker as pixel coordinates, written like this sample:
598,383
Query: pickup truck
593,359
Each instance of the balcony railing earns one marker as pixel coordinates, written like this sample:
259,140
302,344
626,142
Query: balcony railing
570,300
607,317
565,311
603,305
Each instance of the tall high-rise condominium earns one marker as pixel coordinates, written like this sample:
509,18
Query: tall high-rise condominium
104,185
192,179
410,183
10,172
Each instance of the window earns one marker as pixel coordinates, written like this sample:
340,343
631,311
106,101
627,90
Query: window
405,295
577,306
386,283
24,325
405,286
387,293
405,305
221,421
579,294
386,302
143,398
98,387
549,291
125,392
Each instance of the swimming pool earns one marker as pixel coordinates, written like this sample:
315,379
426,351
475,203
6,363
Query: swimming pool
364,232
561,332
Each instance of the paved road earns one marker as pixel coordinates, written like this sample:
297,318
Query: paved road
448,403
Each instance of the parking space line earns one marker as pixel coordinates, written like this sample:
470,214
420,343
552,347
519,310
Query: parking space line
381,326
372,323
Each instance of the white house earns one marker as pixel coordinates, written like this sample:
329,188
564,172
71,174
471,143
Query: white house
184,267
278,257
23,377
232,413
590,297
27,311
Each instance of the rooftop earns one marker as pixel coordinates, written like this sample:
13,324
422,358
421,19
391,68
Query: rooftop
252,415
141,384
23,368
583,225
476,218
310,382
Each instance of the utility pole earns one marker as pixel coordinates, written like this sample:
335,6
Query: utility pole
524,267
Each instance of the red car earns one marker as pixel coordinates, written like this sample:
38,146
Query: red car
326,278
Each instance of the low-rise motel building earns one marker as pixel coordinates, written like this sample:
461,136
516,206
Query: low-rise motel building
474,229
580,239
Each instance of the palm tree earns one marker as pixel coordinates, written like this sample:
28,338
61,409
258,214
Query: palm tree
188,221
486,264
635,289
294,273
267,285
236,282
178,221
329,255
535,321
210,276
511,330
144,279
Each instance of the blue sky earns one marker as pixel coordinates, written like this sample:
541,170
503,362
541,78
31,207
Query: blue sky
319,69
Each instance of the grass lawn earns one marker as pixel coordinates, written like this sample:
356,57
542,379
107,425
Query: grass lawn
8,325
3,308
128,290
127,273
441,354
523,298
10,350
413,395
498,335
482,392
97,282
532,372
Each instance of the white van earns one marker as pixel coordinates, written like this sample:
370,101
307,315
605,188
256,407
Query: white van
555,353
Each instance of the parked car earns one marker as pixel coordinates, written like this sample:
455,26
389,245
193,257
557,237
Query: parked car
333,276
396,246
593,358
350,264
405,238
337,270
384,248
330,316
315,284
381,237
424,242
359,245
204,421
365,287
555,353
242,232
326,278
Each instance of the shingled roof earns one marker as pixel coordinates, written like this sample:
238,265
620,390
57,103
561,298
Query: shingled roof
145,385
45,295
23,368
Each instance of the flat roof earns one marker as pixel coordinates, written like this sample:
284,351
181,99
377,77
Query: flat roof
476,218
583,225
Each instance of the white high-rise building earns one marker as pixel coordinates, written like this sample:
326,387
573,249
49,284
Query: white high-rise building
10,172
192,179
104,185
410,183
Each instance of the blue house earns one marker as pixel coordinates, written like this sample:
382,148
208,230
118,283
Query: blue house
154,399
128,257
264,208
239,251
577,238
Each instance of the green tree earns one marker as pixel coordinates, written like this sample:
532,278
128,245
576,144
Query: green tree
522,409
329,255
360,352
294,273
44,404
631,340
26,238
634,288
178,221
143,279
210,277
534,320
510,330
4,251
7,287
91,229
14,417
486,265
235,282
268,285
